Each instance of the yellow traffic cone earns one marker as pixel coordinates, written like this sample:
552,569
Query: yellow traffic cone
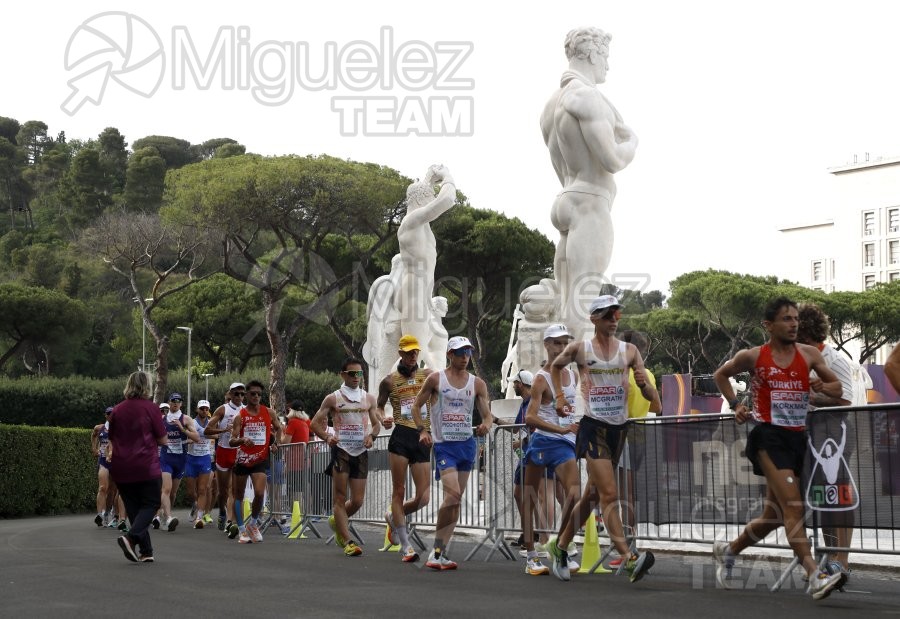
296,520
590,552
247,509
388,547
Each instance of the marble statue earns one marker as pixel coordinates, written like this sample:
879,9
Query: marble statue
401,302
588,144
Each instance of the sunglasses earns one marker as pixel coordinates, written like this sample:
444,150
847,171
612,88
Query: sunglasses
354,373
612,314
175,401
462,352
255,393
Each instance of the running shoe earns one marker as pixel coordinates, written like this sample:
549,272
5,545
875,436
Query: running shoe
155,522
574,566
228,524
834,567
519,540
534,567
638,565
146,558
171,523
560,561
245,538
440,562
127,548
724,562
220,523
410,556
338,538
113,523
255,533
207,519
98,520
198,523
389,519
123,526
194,511
822,584
615,563
572,548
233,531
352,550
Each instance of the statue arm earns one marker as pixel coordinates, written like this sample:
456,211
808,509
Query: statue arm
441,204
599,128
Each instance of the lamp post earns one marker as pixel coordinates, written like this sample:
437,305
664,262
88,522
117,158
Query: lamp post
206,376
189,330
143,334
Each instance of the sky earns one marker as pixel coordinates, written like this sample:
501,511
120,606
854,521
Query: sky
740,107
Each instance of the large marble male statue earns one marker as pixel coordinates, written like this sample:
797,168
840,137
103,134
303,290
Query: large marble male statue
400,303
588,144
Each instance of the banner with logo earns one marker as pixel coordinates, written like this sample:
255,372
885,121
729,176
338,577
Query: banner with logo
697,471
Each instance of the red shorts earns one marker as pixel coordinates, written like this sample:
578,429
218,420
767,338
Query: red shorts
225,457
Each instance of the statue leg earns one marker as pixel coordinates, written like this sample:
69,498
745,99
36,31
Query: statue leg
588,251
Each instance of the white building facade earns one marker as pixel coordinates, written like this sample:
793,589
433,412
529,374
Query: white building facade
858,245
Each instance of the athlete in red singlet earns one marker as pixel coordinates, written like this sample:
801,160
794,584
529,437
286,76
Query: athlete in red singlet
251,434
776,445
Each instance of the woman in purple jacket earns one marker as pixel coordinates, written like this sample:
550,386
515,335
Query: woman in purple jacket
135,431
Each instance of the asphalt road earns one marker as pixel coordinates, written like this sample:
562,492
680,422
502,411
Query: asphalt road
65,566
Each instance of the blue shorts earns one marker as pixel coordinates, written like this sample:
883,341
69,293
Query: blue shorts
458,455
173,464
102,462
548,451
197,466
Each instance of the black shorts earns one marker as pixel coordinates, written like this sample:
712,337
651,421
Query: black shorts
599,440
242,470
357,467
405,443
786,448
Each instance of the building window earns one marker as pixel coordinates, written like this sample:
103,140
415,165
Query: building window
894,220
894,252
817,270
869,223
869,254
869,282
893,276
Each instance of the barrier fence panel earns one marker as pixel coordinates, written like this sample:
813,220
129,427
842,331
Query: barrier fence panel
687,480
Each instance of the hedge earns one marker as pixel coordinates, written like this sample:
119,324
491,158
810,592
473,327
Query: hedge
78,402
46,471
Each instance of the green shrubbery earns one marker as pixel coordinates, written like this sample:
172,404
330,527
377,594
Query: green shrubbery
46,471
80,402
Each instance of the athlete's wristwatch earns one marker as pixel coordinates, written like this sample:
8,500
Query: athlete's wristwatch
733,402
420,428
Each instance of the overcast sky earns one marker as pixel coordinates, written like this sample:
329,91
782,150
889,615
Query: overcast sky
740,107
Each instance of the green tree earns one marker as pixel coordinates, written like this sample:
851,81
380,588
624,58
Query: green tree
174,151
157,260
113,158
275,216
32,138
145,179
38,324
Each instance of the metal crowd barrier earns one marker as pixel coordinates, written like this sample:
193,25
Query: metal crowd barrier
689,479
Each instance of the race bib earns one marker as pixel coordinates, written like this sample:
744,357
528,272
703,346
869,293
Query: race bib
406,405
789,408
456,424
256,433
352,437
606,402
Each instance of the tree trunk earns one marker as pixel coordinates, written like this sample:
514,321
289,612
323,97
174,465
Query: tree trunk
278,363
162,366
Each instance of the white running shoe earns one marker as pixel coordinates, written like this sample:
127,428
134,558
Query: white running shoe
724,561
534,567
821,586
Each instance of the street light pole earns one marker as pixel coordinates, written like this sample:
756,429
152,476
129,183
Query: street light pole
189,330
206,376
